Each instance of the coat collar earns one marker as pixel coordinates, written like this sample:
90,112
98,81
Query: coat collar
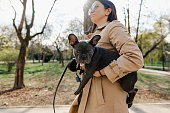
103,26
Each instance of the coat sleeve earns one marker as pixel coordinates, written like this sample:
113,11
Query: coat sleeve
131,58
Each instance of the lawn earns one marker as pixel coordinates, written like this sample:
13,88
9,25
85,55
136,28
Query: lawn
32,72
157,84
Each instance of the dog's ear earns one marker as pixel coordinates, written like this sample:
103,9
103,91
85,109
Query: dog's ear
73,40
95,40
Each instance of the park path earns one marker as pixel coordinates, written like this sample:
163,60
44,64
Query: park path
154,72
137,108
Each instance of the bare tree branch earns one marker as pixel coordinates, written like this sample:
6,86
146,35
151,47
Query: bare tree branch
33,12
136,38
23,16
26,23
45,22
22,2
14,16
32,20
28,29
154,46
17,31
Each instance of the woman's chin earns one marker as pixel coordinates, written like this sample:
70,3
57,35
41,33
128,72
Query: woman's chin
93,20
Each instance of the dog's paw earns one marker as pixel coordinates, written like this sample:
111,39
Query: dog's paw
129,105
76,93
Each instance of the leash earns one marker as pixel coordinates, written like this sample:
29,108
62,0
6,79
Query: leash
57,88
71,65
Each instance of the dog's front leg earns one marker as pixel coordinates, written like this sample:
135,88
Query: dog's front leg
86,78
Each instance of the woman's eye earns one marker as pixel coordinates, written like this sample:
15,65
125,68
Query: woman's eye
96,6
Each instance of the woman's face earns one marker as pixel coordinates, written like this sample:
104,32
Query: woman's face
98,12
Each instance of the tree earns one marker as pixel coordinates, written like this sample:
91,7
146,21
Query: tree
76,27
148,40
153,44
46,54
39,47
24,40
160,30
7,36
59,44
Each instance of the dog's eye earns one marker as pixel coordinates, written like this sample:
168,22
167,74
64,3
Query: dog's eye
77,52
90,52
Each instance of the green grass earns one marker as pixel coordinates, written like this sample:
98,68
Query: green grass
33,72
6,76
3,69
156,64
159,84
161,69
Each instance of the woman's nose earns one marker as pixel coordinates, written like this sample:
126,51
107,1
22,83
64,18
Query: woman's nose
90,12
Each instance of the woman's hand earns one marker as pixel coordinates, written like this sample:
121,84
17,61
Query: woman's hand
97,74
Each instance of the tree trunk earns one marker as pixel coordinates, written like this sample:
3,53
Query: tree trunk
163,55
137,29
140,44
87,20
60,56
43,60
168,65
62,59
163,62
39,57
125,16
10,65
19,77
33,57
128,19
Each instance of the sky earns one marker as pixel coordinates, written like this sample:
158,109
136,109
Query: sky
66,10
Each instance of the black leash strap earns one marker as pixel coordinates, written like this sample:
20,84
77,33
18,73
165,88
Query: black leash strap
100,73
57,88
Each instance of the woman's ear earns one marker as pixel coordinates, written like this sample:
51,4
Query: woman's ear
108,11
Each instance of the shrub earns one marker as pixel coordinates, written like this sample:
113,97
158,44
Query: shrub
9,57
46,53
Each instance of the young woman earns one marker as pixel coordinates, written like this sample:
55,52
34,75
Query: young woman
103,94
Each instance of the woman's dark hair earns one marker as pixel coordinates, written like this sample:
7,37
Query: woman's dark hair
108,4
112,16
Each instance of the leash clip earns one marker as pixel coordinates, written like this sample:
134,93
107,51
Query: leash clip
78,79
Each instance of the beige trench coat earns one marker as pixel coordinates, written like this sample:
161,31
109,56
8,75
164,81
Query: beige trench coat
104,94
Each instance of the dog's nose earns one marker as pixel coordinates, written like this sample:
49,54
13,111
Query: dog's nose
83,56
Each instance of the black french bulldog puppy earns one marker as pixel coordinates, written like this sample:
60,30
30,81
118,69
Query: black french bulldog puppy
96,58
